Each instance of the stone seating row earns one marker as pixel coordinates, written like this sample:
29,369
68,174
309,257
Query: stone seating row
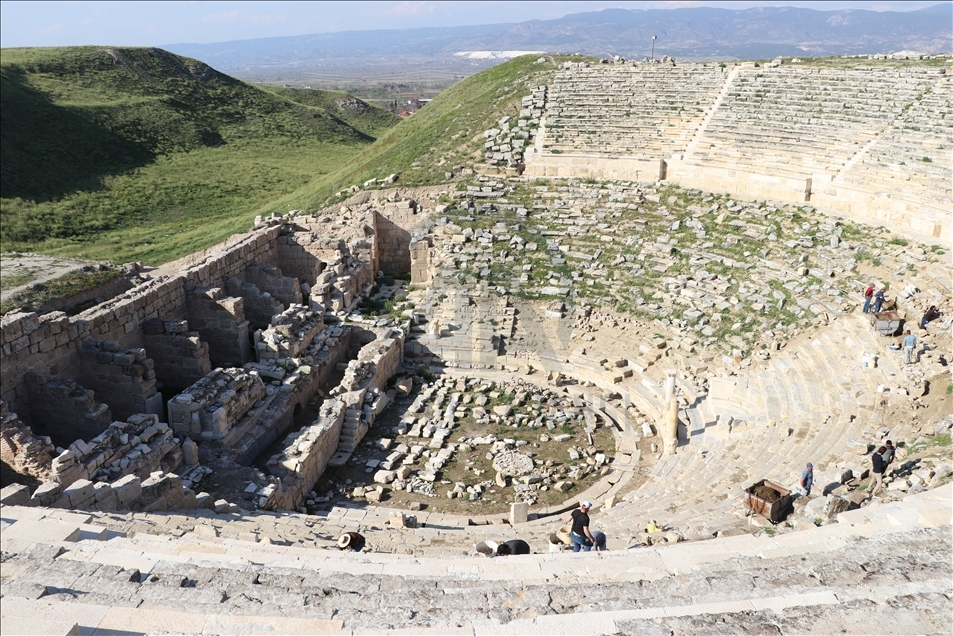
823,396
145,584
815,124
750,108
895,160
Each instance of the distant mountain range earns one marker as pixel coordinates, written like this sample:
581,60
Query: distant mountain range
691,33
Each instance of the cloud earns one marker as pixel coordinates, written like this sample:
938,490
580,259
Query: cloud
410,8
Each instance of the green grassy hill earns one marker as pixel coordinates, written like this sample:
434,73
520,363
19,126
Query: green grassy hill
446,132
356,113
137,154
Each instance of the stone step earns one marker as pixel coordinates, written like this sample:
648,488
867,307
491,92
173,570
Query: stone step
228,586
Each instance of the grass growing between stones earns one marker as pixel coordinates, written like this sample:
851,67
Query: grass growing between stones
470,465
731,274
935,442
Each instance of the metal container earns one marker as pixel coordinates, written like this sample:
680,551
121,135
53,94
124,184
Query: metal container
775,510
887,323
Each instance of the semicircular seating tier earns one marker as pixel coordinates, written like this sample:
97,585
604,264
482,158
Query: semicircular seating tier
871,142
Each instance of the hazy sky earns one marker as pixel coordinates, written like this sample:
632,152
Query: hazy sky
155,23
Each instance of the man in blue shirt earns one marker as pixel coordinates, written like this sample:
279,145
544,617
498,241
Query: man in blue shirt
807,480
878,299
909,346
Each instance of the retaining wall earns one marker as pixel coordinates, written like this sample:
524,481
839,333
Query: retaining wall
51,345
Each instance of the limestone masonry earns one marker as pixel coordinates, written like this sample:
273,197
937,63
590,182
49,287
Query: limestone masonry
648,295
871,143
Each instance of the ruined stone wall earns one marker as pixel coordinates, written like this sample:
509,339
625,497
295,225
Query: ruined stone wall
122,468
305,458
21,450
159,491
395,222
63,410
292,333
50,344
259,306
220,321
308,451
179,356
269,279
305,256
316,367
212,406
420,262
139,446
124,379
305,250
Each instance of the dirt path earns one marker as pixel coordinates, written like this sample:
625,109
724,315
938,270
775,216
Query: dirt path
17,272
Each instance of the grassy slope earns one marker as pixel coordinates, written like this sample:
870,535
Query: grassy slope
447,132
137,154
367,118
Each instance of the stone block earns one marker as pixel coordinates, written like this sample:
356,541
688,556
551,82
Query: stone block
835,506
190,452
47,493
384,476
128,489
519,513
80,493
15,495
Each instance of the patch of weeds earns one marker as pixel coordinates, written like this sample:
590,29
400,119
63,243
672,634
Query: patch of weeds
936,441
16,280
67,285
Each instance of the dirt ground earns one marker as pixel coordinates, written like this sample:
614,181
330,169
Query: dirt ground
18,271
467,467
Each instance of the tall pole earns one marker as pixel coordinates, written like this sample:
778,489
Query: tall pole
653,47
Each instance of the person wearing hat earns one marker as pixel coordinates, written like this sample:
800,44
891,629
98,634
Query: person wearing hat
807,480
351,541
581,536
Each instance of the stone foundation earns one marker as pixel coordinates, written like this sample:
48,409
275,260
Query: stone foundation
64,410
124,379
212,406
179,356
